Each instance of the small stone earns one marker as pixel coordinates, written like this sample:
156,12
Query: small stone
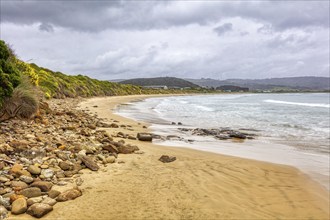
31,201
44,166
44,186
110,159
34,170
5,202
89,162
53,193
26,179
3,212
31,192
79,181
18,184
14,197
167,159
69,194
16,169
47,173
49,201
39,209
64,165
19,206
3,179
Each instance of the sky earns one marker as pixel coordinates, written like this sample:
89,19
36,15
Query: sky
187,39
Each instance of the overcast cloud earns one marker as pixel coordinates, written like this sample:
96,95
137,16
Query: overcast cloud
126,39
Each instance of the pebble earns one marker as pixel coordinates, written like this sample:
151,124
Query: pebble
26,179
19,206
34,170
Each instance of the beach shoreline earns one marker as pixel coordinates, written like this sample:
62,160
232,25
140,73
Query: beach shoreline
198,185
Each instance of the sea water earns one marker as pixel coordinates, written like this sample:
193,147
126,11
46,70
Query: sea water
291,129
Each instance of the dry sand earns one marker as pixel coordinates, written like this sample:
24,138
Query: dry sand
198,185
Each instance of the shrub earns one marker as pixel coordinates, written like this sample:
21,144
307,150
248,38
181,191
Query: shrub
9,75
22,104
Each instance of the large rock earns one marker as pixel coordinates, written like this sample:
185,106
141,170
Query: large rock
69,194
19,206
89,162
144,137
31,192
39,209
44,186
167,159
34,170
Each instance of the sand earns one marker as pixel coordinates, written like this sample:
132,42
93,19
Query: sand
198,185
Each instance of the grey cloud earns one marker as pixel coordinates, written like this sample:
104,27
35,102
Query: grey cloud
46,27
94,16
222,29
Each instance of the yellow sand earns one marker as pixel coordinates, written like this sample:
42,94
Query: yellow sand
198,185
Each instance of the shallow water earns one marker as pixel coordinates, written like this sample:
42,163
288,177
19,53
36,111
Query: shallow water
292,129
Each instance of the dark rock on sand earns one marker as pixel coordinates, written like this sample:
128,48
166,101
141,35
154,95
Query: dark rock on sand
167,159
144,137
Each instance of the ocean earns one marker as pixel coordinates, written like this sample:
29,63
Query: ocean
292,129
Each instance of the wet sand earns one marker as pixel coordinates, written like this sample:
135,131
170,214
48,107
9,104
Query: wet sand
198,185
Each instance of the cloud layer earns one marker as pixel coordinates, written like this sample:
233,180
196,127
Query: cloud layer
124,39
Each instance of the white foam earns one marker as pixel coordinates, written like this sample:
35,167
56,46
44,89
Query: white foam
298,103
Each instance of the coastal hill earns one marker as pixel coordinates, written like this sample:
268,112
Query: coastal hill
170,82
300,83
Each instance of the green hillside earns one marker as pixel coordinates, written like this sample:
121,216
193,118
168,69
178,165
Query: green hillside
170,82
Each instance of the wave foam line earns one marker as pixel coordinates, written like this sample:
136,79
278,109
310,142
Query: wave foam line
298,103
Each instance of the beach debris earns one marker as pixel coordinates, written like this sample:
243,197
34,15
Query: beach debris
144,137
167,159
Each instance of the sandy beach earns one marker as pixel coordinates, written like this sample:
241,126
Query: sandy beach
198,185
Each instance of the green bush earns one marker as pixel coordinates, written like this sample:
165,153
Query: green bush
9,75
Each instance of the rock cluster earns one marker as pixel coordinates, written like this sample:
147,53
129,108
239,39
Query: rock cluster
221,134
51,150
